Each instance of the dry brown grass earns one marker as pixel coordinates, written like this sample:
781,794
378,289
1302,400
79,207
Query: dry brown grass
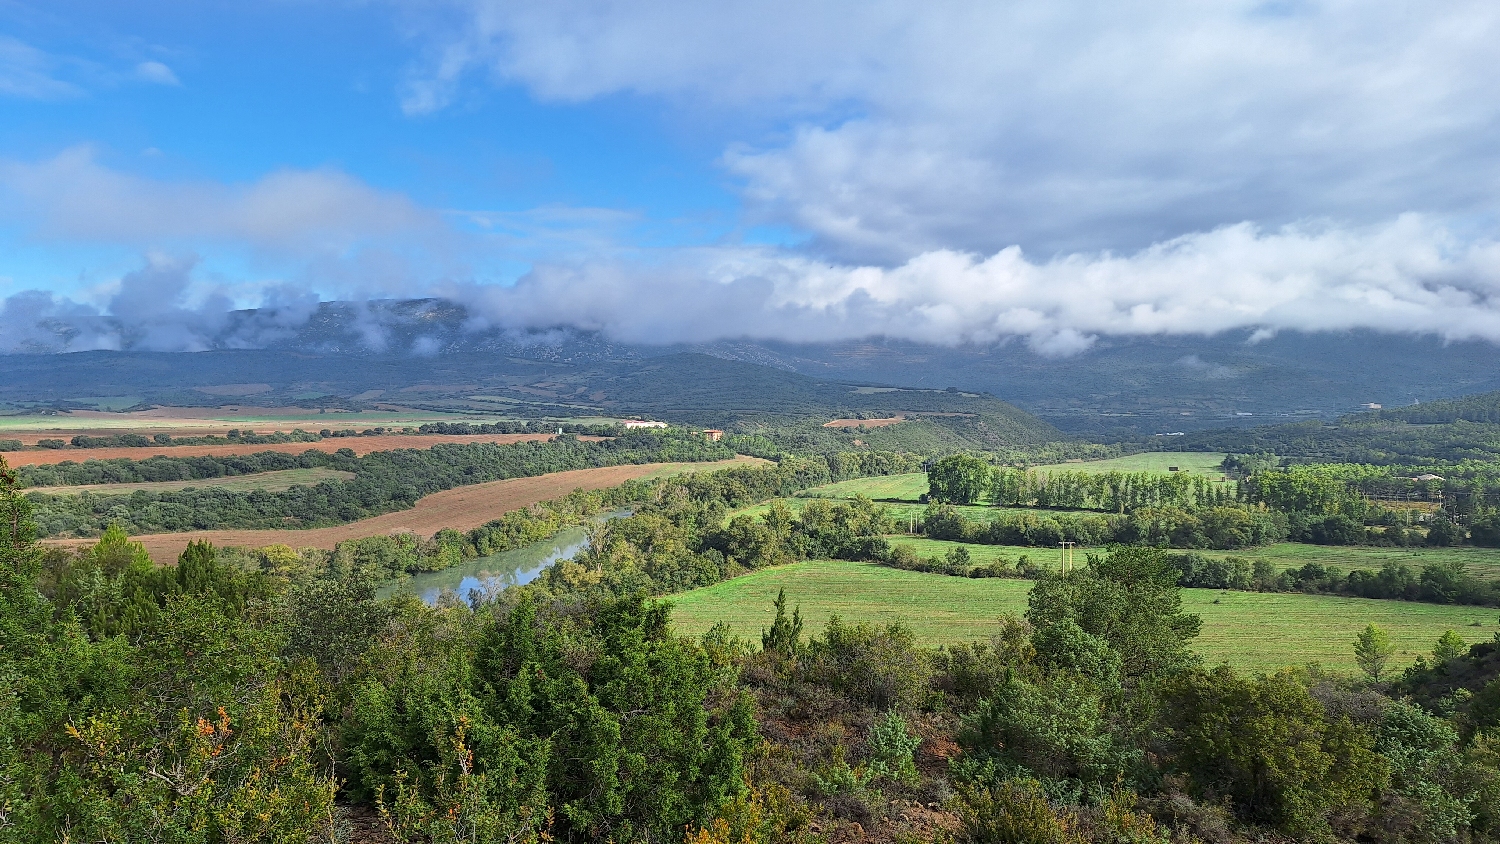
463,508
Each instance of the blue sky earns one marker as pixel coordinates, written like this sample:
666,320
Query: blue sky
959,172
266,87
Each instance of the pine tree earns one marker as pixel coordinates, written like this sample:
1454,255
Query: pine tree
1372,650
785,634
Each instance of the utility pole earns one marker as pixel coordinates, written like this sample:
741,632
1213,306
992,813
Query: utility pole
1065,555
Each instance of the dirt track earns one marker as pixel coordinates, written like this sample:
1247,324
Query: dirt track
462,508
361,446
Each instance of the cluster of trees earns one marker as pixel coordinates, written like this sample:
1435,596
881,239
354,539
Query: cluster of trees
383,482
516,426
1223,527
232,436
967,479
1325,504
1448,582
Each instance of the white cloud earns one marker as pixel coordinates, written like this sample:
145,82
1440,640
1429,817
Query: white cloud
911,127
157,73
1408,275
29,73
321,225
159,306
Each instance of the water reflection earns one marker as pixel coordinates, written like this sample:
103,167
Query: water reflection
489,575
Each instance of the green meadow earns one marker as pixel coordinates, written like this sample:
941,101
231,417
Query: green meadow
1197,462
1248,630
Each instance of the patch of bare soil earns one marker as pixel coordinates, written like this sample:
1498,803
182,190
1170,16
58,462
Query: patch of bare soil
868,423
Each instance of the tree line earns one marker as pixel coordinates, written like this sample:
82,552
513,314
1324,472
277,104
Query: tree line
968,479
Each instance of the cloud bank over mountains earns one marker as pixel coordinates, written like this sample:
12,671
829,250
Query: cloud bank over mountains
1409,276
967,173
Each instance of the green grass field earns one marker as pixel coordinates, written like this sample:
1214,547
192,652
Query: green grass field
1481,562
268,481
909,487
1197,462
979,554
1249,630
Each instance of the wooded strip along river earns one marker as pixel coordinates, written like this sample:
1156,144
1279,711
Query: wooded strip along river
489,575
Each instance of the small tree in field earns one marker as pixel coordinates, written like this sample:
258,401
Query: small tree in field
1372,650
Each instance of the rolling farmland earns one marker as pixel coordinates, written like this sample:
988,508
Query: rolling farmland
461,508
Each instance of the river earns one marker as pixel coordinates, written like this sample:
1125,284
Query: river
491,574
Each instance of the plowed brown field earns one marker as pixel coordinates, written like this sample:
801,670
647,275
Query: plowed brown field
462,508
361,446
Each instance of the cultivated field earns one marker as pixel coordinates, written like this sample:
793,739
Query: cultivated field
277,481
1248,630
1197,462
360,445
864,423
908,487
463,508
201,421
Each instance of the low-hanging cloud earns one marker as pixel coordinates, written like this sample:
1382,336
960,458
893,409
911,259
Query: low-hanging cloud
1409,275
156,308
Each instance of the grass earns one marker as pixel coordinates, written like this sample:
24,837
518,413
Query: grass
1249,630
278,481
1482,562
978,554
1197,462
908,487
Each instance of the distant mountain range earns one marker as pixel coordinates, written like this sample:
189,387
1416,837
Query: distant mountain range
405,351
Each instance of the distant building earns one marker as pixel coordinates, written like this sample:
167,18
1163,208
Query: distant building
1370,406
1428,477
713,434
642,423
